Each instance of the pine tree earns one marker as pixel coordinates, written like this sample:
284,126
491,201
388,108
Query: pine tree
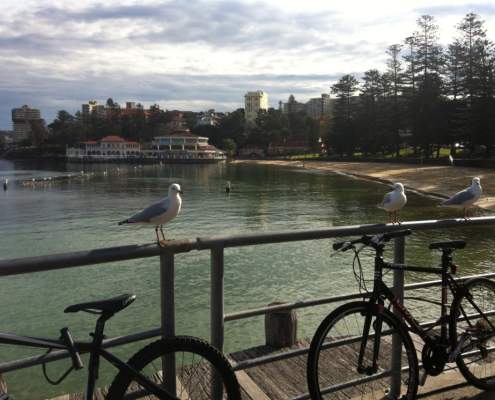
342,137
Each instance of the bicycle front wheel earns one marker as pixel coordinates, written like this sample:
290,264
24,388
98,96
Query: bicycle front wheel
472,328
332,369
195,362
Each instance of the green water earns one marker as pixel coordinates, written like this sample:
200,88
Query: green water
82,214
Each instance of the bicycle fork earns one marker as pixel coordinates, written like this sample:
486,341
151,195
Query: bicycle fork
377,325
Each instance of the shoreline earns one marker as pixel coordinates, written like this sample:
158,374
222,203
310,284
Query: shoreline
437,182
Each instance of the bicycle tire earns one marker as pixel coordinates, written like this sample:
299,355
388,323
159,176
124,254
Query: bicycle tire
180,344
319,379
470,366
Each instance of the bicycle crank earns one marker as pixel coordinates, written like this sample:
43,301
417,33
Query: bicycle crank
434,357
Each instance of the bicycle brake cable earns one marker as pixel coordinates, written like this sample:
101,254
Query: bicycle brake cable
359,276
54,382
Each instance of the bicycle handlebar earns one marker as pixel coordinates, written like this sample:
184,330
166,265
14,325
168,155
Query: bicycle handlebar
373,241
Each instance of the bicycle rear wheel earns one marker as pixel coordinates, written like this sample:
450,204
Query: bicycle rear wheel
332,369
196,362
472,329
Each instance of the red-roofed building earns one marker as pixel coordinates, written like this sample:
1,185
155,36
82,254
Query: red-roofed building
180,145
110,147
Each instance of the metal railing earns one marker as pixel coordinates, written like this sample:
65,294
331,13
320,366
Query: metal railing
217,245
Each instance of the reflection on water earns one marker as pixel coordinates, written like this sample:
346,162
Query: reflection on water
80,214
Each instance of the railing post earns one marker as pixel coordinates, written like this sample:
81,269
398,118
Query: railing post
217,310
398,289
167,301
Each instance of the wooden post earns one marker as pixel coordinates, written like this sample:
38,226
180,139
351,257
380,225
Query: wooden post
3,385
281,327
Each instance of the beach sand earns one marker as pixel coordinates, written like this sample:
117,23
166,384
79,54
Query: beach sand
436,181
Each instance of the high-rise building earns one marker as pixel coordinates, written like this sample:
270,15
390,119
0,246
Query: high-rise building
292,106
92,108
254,102
320,106
22,118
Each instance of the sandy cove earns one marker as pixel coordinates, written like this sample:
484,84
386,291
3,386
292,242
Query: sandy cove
435,181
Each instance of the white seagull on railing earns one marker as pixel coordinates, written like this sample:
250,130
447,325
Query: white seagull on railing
393,202
159,213
465,198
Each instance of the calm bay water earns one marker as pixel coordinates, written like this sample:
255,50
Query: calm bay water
82,214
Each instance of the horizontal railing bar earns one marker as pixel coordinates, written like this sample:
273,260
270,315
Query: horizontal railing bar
353,230
334,299
253,362
111,254
61,354
90,257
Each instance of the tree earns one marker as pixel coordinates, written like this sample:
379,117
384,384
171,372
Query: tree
38,133
229,146
342,136
233,126
427,64
370,120
393,87
455,109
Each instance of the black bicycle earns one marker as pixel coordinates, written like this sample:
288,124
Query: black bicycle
363,350
180,367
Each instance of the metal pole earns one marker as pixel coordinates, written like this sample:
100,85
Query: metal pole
398,289
217,311
167,301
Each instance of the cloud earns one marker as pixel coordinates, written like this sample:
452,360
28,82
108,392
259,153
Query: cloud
458,9
191,92
57,54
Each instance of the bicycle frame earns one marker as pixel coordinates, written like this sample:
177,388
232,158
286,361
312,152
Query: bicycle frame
96,351
382,292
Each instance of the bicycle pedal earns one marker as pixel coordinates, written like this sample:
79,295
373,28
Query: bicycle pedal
422,379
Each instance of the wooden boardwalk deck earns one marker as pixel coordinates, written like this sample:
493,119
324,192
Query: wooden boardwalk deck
286,379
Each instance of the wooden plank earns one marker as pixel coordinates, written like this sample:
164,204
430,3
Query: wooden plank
250,387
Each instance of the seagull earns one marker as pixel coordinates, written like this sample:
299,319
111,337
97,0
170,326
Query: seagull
159,213
465,198
393,202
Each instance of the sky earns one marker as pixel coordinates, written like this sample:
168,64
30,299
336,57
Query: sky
198,54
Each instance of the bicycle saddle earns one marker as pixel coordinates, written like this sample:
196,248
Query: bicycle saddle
113,305
453,244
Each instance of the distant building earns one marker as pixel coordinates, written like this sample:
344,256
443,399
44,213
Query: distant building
315,108
209,117
292,106
180,145
252,151
291,145
320,106
22,119
7,136
131,105
107,148
253,103
92,108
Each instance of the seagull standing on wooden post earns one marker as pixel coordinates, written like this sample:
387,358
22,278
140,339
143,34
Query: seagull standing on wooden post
159,213
465,198
393,202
